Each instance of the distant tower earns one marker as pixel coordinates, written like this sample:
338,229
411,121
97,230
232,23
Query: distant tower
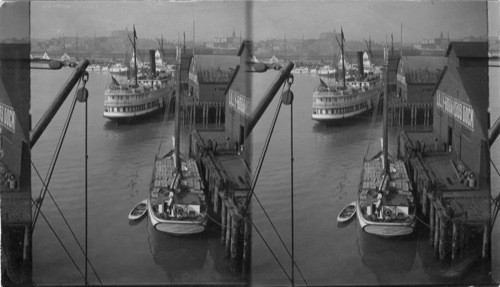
392,44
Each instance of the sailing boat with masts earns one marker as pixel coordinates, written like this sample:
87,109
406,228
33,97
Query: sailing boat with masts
337,100
385,204
176,198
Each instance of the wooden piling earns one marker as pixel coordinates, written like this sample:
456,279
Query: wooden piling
454,239
229,225
235,246
424,198
216,197
437,223
442,237
461,236
433,227
485,240
223,217
247,244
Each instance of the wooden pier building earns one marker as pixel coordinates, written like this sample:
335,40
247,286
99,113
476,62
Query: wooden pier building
208,80
412,101
224,156
450,165
15,170
224,162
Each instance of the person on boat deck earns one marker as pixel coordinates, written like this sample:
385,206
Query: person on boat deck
378,203
169,201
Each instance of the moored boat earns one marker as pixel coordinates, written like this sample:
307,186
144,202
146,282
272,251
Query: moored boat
352,96
177,200
139,210
347,212
136,97
94,68
118,69
385,205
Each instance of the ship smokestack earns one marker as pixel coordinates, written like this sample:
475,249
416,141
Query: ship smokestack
152,62
360,64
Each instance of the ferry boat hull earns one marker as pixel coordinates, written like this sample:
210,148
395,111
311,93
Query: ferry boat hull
150,102
117,116
329,118
330,106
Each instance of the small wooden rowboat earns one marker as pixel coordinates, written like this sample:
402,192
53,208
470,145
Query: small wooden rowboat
347,212
139,210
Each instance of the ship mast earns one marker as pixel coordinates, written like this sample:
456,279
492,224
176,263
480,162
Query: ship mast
343,54
135,57
384,121
177,122
135,54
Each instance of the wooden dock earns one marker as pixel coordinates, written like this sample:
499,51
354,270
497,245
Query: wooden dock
457,209
227,182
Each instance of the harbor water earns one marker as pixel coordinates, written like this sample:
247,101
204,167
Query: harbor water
120,162
327,166
327,169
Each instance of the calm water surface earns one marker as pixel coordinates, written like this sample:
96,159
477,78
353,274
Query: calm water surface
120,165
327,170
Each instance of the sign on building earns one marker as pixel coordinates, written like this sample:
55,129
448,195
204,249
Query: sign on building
461,111
238,102
7,117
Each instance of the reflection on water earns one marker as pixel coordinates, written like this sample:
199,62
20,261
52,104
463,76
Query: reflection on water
177,254
387,257
327,169
121,157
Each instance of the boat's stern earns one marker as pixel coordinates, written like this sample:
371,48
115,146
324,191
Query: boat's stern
385,229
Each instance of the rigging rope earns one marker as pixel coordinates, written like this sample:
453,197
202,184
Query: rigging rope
254,182
291,191
270,249
86,184
38,204
163,126
279,236
60,241
374,115
48,177
263,154
64,218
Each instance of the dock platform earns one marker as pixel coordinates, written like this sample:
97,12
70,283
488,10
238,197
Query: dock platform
228,183
456,205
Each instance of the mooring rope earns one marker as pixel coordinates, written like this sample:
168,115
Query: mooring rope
216,222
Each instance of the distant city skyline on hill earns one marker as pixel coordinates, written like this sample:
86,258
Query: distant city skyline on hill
268,19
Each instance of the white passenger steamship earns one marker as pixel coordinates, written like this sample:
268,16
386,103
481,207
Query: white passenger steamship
347,98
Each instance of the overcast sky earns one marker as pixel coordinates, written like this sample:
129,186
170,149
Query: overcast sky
269,19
